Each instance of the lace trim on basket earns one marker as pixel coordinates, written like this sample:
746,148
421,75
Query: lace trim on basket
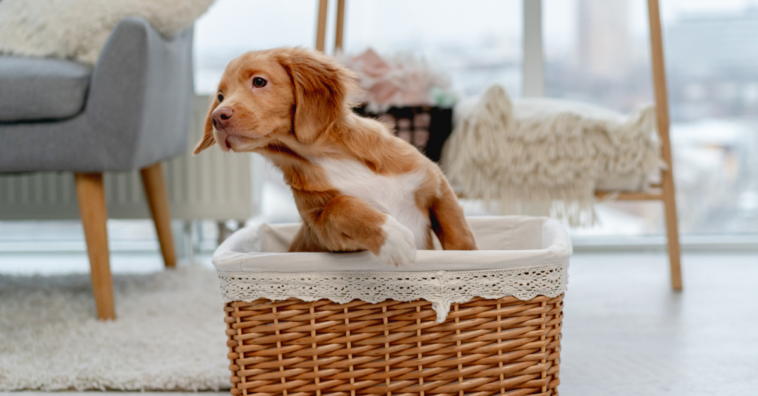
441,288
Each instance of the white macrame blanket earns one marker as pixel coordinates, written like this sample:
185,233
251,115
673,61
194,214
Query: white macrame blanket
546,156
519,256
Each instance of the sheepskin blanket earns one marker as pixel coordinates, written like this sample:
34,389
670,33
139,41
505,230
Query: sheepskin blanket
548,157
77,29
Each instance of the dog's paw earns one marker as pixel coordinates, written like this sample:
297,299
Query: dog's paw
399,247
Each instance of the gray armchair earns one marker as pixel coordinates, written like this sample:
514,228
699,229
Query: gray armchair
130,112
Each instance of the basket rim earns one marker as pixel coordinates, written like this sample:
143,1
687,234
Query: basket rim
441,288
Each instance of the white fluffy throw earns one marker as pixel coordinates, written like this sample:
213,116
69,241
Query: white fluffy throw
77,29
547,156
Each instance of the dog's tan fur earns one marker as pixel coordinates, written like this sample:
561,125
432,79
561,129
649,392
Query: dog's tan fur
304,112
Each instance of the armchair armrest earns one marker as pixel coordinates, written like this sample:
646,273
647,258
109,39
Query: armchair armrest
141,94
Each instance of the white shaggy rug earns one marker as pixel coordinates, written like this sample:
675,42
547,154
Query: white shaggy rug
169,334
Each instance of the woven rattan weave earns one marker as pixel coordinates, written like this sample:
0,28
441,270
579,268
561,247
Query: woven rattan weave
485,347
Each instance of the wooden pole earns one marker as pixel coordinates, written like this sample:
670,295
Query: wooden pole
323,6
667,176
340,29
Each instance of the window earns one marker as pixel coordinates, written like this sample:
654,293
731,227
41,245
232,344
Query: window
233,27
477,42
598,51
595,51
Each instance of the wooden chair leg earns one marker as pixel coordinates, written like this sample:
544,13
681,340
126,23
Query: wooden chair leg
662,112
91,196
672,231
155,189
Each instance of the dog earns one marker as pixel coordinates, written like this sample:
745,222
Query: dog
356,185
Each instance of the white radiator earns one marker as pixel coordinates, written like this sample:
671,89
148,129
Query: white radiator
210,186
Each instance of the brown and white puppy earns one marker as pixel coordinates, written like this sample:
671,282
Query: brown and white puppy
356,185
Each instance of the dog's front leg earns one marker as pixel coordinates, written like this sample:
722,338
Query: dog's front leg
449,222
346,223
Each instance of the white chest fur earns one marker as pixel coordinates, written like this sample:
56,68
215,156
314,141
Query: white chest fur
392,195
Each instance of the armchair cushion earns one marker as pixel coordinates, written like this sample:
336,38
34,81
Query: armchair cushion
41,89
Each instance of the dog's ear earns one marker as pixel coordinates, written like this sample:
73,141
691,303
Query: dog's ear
323,91
207,140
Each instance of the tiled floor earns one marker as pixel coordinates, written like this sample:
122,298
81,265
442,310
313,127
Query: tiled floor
627,333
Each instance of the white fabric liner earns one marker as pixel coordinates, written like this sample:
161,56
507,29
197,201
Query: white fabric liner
519,256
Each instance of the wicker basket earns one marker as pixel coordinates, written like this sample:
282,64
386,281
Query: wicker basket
485,347
342,324
425,127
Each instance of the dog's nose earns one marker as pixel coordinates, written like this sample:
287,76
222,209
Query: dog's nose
220,117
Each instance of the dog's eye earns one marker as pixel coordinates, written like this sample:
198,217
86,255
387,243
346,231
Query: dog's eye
259,82
220,98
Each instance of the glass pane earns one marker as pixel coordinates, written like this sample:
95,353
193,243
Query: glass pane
233,27
477,42
598,51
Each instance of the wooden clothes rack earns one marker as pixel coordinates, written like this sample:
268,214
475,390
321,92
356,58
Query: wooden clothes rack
661,192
